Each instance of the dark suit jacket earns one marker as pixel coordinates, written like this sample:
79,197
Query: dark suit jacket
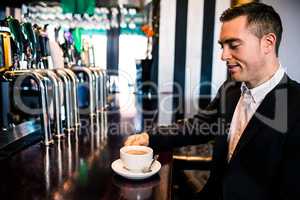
266,161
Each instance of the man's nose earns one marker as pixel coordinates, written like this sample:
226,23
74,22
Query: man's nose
226,54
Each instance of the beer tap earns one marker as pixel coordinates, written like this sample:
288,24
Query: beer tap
21,51
18,77
31,51
58,127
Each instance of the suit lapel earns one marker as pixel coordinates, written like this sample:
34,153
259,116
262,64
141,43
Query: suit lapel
253,127
231,100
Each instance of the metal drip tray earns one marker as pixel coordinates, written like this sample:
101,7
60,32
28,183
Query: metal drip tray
19,137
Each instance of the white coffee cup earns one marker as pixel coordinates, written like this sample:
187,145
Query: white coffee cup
136,158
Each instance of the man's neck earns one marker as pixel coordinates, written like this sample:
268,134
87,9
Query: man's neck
272,68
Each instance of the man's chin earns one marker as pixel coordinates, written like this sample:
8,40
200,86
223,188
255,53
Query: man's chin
235,77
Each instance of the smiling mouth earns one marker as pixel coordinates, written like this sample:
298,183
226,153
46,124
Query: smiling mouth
233,67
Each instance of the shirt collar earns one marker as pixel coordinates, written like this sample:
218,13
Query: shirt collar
258,93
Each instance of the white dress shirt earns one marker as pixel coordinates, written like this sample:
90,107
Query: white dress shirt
251,99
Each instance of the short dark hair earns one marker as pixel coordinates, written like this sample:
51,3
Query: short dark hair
264,17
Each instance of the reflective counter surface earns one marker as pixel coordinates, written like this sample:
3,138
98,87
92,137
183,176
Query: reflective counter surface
79,166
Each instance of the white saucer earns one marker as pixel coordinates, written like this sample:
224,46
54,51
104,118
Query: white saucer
117,167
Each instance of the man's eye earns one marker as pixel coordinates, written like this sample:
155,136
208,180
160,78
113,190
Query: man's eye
233,46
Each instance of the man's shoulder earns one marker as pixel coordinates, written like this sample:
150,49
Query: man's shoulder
294,95
291,89
293,102
294,86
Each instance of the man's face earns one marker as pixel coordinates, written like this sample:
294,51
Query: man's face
242,51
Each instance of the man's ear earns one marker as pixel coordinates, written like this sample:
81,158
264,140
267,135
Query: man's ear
269,43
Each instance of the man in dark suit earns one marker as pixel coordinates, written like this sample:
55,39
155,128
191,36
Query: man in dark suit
254,119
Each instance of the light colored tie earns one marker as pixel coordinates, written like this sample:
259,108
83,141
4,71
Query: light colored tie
241,121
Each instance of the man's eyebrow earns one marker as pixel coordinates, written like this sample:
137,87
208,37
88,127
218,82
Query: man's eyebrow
230,40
